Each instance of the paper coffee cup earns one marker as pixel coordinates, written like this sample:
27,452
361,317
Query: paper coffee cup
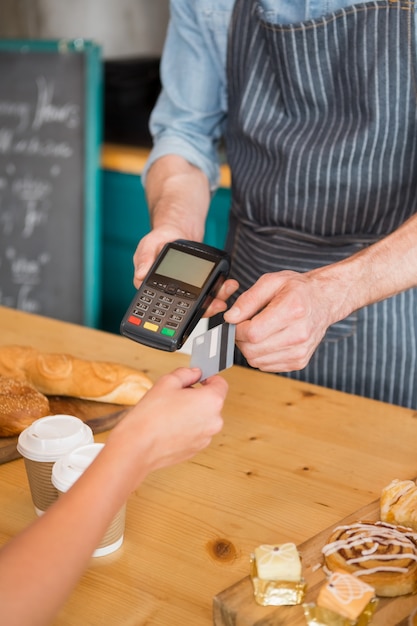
41,445
66,472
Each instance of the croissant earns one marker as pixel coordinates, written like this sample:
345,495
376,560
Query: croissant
398,503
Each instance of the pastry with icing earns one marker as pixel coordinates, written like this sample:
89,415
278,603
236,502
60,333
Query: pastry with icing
276,574
346,595
278,562
398,503
382,555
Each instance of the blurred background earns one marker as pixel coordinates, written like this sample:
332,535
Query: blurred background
131,34
124,28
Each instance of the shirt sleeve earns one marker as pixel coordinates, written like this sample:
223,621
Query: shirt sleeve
189,116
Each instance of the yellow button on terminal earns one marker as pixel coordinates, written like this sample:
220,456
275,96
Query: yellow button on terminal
152,327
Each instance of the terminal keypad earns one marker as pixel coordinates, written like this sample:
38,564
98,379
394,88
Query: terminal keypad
162,307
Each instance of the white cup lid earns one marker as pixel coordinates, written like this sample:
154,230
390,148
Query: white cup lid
70,467
49,438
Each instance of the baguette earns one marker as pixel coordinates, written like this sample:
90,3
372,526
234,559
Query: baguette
20,405
66,375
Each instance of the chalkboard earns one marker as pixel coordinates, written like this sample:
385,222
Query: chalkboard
50,138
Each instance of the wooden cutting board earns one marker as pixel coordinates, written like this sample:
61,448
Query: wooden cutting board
236,605
100,416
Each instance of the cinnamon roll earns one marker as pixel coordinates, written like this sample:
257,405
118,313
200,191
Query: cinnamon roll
383,555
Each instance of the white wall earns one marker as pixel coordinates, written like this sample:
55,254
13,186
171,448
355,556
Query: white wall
123,27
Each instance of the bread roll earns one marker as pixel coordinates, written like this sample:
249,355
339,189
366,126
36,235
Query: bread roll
66,375
20,405
398,503
382,555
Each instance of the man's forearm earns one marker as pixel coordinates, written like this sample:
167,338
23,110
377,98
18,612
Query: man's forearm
380,271
178,194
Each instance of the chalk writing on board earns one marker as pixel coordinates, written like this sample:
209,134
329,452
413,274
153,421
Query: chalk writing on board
42,183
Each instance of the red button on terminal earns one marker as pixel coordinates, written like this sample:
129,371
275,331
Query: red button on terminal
134,320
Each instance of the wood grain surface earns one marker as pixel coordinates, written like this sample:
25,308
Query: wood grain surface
236,605
292,459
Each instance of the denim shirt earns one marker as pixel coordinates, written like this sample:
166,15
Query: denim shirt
190,114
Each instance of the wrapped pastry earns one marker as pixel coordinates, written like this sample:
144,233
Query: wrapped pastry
382,555
276,574
344,600
398,503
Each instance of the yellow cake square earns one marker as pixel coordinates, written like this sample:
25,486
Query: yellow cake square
345,594
278,562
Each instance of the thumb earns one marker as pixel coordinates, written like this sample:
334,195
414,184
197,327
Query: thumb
142,260
249,303
181,378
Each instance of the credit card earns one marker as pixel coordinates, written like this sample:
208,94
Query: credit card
213,351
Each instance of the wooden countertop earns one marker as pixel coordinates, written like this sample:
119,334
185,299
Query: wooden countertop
131,160
292,460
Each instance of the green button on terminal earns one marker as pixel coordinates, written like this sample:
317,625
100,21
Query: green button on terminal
168,331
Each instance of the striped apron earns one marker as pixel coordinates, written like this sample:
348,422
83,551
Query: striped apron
321,141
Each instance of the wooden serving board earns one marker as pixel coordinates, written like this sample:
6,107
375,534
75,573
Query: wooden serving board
236,605
100,416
